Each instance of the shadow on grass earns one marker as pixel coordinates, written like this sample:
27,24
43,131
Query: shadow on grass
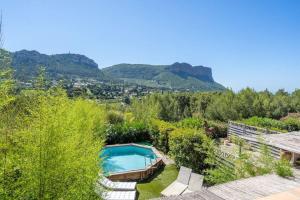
151,178
159,180
154,175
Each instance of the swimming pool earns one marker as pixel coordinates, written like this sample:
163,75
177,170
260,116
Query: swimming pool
126,158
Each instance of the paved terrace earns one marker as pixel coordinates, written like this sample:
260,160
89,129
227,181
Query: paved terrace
253,188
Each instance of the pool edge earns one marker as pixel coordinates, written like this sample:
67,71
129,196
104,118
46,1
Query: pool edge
137,174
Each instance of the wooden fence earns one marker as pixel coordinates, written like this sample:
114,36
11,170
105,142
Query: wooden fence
252,136
238,129
224,158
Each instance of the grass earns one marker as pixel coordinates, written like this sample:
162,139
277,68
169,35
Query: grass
152,187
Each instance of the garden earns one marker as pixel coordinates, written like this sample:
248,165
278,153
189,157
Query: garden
50,143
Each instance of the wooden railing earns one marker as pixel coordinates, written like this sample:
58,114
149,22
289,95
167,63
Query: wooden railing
251,134
243,129
224,157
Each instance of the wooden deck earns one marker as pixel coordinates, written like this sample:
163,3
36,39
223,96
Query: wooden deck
201,195
254,187
244,189
275,140
287,141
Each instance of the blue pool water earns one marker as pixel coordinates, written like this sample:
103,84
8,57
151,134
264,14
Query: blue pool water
126,158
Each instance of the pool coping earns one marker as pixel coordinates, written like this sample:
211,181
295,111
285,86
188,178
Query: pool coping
158,162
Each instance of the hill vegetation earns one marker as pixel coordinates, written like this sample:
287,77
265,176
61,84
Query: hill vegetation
178,76
74,67
58,66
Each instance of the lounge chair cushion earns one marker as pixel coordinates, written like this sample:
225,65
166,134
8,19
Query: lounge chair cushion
117,185
176,188
125,185
184,175
196,182
119,195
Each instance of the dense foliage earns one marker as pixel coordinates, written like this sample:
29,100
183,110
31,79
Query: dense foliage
183,126
287,124
49,144
222,106
186,148
127,132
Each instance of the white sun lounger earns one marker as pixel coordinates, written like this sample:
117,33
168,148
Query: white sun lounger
119,186
119,195
195,183
180,184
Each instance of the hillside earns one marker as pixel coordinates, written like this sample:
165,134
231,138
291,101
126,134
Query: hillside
181,76
178,76
26,64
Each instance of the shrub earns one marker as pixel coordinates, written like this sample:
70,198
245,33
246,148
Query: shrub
286,124
283,168
186,148
47,131
114,118
292,124
267,123
194,123
217,129
127,132
160,132
220,174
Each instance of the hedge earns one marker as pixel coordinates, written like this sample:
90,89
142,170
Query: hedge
127,132
186,148
217,129
192,122
267,123
160,134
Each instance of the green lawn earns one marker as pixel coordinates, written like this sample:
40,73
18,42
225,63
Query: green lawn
151,188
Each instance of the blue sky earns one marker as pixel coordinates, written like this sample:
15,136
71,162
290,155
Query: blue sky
253,43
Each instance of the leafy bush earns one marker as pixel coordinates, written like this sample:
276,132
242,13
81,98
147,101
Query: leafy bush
52,151
217,129
186,148
160,134
267,123
114,117
127,132
283,168
284,125
292,124
221,174
194,123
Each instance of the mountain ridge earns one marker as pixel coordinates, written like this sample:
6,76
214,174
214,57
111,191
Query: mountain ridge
177,76
26,64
